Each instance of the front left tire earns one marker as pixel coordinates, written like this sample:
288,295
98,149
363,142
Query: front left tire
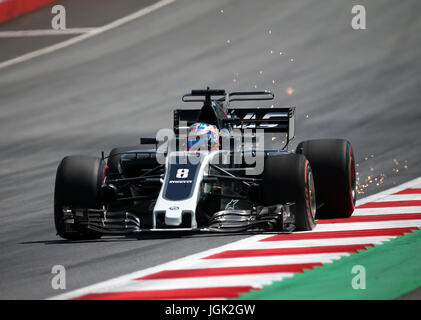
78,183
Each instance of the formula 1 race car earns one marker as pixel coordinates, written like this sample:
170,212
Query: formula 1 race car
209,173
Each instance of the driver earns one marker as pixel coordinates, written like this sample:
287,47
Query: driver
203,136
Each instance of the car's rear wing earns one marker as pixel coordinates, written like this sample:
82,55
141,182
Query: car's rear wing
271,120
227,97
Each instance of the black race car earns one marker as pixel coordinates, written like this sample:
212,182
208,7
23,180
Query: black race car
164,186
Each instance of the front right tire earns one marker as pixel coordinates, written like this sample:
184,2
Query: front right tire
333,164
289,178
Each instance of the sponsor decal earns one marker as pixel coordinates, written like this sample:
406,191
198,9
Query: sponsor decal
180,181
231,204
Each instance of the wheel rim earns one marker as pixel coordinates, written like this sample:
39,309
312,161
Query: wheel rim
312,194
352,176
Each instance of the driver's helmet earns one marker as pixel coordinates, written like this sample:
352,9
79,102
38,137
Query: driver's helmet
203,136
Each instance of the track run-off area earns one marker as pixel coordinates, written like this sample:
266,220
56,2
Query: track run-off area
251,263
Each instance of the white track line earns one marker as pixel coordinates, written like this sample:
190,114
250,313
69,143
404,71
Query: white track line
120,282
376,197
367,225
85,36
390,210
253,280
258,261
44,32
314,242
402,197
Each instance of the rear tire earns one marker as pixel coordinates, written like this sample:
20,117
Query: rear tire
288,178
333,164
78,183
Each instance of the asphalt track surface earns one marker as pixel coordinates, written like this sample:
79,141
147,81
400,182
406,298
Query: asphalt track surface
110,89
